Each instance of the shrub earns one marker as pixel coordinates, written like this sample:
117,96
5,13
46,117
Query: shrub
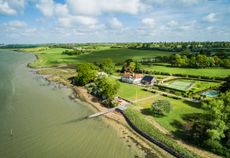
161,107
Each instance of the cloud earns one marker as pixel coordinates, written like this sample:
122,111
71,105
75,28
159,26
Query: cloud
46,7
174,2
95,7
211,17
172,23
115,23
72,21
11,7
148,22
16,24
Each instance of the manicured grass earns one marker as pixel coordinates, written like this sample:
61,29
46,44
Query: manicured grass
210,72
179,110
182,84
180,107
178,84
132,92
202,85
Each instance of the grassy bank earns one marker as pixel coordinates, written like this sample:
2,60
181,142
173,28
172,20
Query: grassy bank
140,122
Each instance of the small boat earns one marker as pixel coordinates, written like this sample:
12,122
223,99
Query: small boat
11,132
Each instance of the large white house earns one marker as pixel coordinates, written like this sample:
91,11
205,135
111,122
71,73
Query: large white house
131,78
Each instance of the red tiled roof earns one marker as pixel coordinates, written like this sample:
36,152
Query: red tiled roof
132,75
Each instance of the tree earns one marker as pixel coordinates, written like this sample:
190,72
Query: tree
131,66
161,107
86,73
226,85
192,61
107,88
137,67
226,63
107,66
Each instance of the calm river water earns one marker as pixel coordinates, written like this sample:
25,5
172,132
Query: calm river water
38,121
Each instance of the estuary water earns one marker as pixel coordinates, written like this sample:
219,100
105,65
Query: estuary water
38,121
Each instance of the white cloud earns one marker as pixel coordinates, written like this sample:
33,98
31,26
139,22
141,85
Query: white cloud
210,17
16,24
11,7
148,22
174,2
46,7
95,7
172,23
72,21
61,10
115,23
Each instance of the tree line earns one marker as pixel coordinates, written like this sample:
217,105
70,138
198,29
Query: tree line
198,61
180,46
75,52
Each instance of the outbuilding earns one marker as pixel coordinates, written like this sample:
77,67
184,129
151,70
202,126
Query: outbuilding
149,80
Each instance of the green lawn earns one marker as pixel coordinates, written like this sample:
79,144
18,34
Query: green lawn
181,84
178,84
180,107
132,92
210,72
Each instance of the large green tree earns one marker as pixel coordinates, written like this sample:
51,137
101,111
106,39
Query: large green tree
212,128
86,73
107,66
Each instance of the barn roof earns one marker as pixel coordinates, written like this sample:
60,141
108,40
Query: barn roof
148,78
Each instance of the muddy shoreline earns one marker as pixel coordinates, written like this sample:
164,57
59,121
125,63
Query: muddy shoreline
114,119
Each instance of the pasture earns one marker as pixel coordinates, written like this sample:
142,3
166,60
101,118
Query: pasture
209,72
53,56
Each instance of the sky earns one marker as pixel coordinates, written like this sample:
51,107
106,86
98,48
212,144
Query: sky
82,21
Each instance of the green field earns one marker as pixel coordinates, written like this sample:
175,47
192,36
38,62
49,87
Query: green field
54,56
210,72
179,110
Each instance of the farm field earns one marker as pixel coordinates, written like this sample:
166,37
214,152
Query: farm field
209,72
54,56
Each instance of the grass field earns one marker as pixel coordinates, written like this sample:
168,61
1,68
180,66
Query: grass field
54,56
210,72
